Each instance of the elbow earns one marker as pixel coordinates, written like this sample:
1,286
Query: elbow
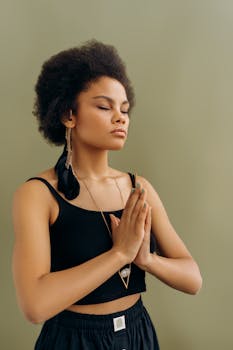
192,282
33,315
30,312
34,319
196,279
196,285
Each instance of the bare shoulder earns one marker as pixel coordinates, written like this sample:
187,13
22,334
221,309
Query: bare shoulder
152,194
144,182
34,190
49,175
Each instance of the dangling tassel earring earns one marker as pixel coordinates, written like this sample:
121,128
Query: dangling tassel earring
67,182
68,148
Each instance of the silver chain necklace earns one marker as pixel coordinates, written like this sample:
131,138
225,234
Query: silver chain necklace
125,272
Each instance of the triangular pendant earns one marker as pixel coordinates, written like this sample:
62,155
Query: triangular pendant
124,275
125,281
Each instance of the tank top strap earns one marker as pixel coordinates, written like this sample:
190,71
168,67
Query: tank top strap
50,187
57,195
133,179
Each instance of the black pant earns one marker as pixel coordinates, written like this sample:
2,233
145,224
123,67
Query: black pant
130,329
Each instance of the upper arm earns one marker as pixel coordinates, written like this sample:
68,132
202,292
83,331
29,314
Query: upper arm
169,242
31,252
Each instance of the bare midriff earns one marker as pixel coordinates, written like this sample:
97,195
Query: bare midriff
107,307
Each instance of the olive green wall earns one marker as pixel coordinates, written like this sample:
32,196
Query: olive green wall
179,56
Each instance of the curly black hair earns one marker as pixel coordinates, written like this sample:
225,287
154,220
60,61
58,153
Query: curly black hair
67,73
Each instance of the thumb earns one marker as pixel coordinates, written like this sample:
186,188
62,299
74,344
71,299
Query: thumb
113,221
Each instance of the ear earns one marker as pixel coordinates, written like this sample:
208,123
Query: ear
69,121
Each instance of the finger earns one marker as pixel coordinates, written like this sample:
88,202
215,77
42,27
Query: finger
148,218
114,222
132,200
115,219
148,221
140,222
139,204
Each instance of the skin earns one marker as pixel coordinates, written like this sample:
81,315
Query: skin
42,294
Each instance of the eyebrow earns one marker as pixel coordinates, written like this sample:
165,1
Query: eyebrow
110,99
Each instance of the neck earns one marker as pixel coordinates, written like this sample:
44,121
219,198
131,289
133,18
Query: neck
91,165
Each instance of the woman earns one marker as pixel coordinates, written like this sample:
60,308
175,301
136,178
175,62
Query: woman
79,261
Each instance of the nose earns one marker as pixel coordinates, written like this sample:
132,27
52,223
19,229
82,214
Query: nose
119,117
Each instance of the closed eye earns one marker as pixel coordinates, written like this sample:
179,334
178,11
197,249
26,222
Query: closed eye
108,109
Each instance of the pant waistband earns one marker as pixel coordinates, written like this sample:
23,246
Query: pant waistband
129,317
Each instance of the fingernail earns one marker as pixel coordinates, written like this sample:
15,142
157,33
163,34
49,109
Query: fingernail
133,189
137,184
142,191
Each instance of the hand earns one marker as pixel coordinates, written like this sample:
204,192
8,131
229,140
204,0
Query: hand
128,233
143,255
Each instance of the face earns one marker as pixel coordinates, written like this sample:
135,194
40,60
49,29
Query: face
101,109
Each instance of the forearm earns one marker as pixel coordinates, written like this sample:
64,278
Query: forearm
56,291
180,273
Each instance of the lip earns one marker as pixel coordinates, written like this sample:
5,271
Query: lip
119,131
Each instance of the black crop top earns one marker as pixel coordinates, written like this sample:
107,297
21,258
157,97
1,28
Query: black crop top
79,235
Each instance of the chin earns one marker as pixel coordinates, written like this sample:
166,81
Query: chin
113,146
116,148
105,146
